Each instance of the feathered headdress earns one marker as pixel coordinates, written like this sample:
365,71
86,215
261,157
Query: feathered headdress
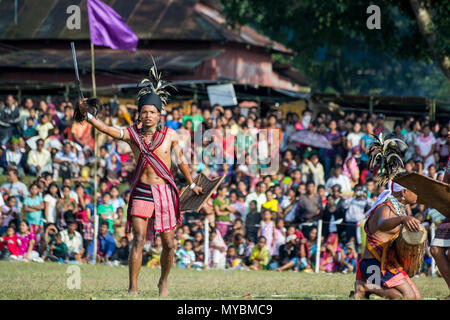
154,89
386,157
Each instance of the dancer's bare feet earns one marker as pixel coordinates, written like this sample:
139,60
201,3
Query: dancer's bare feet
163,290
132,292
360,291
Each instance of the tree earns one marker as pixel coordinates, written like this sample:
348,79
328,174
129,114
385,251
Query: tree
337,51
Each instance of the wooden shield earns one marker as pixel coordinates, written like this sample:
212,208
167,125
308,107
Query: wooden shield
192,202
432,193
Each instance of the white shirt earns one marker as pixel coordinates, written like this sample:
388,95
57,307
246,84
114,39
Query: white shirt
342,180
51,203
36,158
260,200
75,244
355,138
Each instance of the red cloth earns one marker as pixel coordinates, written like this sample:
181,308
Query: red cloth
11,244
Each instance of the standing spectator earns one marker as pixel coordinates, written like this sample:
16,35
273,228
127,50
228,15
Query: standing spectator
267,230
425,147
252,220
44,126
353,140
380,125
65,163
355,212
67,208
411,139
175,122
335,139
106,212
339,179
15,188
73,240
9,120
271,203
39,160
366,140
351,169
310,205
315,171
34,206
222,210
259,196
15,158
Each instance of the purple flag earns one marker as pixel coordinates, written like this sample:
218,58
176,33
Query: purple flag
108,29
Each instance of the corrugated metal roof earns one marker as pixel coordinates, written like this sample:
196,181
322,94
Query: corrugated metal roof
108,59
149,19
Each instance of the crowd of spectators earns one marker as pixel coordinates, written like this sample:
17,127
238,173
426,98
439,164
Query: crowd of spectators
255,221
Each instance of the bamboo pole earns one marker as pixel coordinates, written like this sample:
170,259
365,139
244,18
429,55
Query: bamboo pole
94,93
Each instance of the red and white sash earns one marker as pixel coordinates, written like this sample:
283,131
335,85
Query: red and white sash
148,157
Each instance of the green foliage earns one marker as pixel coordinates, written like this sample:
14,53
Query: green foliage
337,52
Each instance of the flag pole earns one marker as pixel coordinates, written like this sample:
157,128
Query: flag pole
94,93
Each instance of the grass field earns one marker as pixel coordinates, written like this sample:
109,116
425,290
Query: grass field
48,281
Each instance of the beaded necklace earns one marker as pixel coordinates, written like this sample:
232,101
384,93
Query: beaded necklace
398,206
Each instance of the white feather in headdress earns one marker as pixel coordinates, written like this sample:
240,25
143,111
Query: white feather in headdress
154,84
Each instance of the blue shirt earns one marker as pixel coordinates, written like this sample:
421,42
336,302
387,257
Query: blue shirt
105,244
173,124
34,217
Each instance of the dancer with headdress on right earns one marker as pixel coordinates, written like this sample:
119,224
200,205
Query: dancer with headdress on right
379,271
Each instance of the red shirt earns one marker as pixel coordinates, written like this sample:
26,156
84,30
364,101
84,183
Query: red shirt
11,244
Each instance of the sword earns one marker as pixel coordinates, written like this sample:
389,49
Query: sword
75,65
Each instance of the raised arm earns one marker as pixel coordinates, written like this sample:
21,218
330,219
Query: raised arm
102,127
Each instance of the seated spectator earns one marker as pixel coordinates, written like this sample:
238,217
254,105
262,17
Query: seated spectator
235,229
58,250
330,257
121,254
350,258
155,253
288,254
218,250
47,236
27,244
39,160
260,255
44,126
106,246
185,255
9,245
74,241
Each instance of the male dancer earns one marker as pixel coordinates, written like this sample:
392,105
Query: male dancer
379,271
154,200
